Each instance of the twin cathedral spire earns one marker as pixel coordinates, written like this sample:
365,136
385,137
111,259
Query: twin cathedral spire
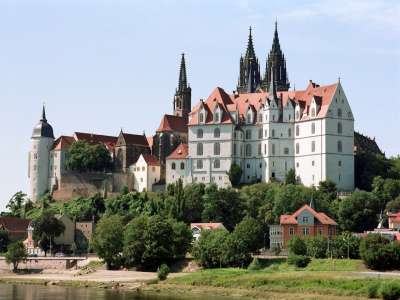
249,73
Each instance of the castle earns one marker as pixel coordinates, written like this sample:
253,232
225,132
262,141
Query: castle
263,127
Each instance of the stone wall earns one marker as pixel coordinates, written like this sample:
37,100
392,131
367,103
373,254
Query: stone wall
39,263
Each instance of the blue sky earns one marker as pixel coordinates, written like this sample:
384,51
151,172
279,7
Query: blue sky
102,65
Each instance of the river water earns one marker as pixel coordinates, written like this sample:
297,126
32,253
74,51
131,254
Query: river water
39,292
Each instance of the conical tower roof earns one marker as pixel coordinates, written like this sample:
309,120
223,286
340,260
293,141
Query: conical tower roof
43,128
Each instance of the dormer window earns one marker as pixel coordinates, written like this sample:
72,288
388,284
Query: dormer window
313,112
201,117
216,117
297,115
260,117
249,118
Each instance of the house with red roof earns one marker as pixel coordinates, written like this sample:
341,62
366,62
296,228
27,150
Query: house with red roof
15,227
197,228
304,222
177,165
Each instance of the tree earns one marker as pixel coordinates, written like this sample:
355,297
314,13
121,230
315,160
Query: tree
250,233
328,187
83,157
290,177
16,204
4,241
181,240
15,254
45,228
194,205
359,212
84,209
378,253
346,245
235,174
297,246
108,239
317,246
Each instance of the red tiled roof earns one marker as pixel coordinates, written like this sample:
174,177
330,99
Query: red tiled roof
63,142
13,224
241,102
320,216
151,160
207,225
106,140
181,152
173,123
135,139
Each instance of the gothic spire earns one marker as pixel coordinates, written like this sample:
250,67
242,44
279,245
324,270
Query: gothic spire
275,43
250,53
272,87
43,114
182,74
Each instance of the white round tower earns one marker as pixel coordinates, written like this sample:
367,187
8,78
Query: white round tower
39,158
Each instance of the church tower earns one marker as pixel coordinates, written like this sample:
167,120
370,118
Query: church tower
276,63
249,69
39,157
183,94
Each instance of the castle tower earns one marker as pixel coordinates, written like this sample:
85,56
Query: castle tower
39,157
183,94
249,69
276,63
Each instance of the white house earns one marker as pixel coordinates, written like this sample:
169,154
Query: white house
177,165
146,171
197,228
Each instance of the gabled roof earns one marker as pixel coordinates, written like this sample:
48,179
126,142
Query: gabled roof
173,123
207,226
63,142
151,160
91,138
134,139
181,152
320,216
14,224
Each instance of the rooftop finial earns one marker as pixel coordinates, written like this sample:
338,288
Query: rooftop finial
339,79
44,113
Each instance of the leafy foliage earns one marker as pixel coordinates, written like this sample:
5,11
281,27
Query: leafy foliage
15,254
317,246
18,205
4,241
84,209
290,177
83,157
346,245
300,261
235,174
163,272
297,246
390,291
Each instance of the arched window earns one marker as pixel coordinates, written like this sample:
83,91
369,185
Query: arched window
201,118
217,132
199,149
297,130
173,166
289,132
199,164
248,150
182,165
339,146
199,133
217,164
339,128
297,148
312,128
339,112
217,148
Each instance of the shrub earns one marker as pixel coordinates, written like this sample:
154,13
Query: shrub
163,272
300,261
390,291
317,246
373,290
297,246
378,253
346,245
15,254
255,265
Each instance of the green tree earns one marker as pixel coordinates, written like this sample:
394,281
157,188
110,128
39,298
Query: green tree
250,232
108,240
15,254
290,177
45,228
297,246
317,246
194,206
84,209
83,157
4,241
359,212
346,245
328,188
181,240
16,205
378,253
235,174
394,205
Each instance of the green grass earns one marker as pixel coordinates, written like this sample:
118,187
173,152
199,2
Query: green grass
321,276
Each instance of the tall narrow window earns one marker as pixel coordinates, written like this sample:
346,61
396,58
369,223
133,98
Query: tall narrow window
216,164
297,130
297,148
182,165
173,166
312,128
313,112
265,149
217,148
199,149
339,146
217,132
312,146
273,149
201,117
248,134
199,133
259,149
260,133
216,117
273,133
248,150
199,164
249,118
289,132
339,128
339,112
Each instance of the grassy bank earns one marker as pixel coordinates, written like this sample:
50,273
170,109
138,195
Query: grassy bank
327,278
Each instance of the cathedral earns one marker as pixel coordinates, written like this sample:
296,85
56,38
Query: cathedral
263,127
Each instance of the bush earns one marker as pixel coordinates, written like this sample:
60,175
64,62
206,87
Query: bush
390,291
255,265
373,290
163,272
297,246
317,246
300,261
346,245
378,253
15,254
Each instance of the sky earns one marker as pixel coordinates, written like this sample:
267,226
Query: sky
103,65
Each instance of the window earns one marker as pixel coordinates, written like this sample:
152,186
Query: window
297,115
273,117
216,164
339,128
173,166
297,148
297,130
199,164
266,133
289,132
306,231
182,165
199,133
143,168
273,133
312,146
260,118
201,117
249,118
265,149
312,128
234,149
297,165
199,149
273,149
260,165
217,132
35,156
248,150
291,231
260,133
339,146
259,149
313,112
266,117
319,231
313,163
339,112
248,166
286,150
216,116
339,163
217,148
248,134
305,219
